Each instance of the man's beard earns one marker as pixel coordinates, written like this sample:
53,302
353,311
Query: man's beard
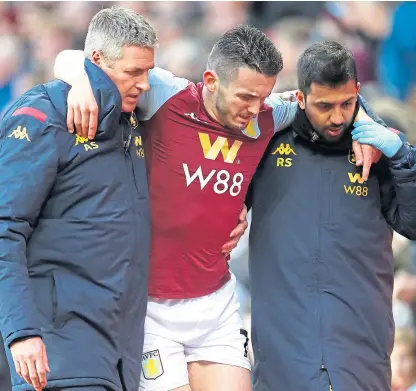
223,113
305,129
333,139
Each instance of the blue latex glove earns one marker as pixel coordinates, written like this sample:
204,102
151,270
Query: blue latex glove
371,133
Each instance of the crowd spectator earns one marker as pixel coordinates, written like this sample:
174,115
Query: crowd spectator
403,360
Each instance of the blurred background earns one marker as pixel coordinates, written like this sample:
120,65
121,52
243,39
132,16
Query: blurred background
381,35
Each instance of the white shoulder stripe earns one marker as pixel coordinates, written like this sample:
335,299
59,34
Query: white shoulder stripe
283,111
163,85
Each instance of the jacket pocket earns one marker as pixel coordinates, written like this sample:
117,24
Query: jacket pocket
83,299
45,298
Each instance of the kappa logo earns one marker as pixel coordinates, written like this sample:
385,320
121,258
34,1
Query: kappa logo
88,145
211,151
20,133
194,117
152,365
285,150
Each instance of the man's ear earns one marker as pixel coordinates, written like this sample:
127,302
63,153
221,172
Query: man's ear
96,58
300,97
211,80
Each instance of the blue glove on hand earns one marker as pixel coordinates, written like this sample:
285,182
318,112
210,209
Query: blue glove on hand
385,140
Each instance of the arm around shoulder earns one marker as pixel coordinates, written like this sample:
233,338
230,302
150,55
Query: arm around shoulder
69,66
284,109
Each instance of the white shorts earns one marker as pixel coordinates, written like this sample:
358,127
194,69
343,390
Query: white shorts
178,332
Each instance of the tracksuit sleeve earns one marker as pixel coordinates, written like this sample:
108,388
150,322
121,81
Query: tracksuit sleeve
28,168
399,192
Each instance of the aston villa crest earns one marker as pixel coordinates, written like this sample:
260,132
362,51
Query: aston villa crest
252,130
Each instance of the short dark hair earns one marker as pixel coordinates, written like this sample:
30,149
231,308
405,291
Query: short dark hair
244,46
326,63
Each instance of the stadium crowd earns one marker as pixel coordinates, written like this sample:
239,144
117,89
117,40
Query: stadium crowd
33,33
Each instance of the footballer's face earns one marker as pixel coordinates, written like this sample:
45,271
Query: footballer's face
129,73
330,110
236,101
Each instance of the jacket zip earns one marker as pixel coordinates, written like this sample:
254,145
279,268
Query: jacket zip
134,193
125,144
317,260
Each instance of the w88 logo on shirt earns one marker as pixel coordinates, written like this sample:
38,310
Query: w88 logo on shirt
223,181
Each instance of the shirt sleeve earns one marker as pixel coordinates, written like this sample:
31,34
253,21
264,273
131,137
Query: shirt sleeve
283,111
163,85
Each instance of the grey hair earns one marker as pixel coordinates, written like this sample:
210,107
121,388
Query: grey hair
112,28
244,46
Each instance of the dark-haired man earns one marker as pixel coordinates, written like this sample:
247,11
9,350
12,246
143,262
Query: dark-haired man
203,145
320,246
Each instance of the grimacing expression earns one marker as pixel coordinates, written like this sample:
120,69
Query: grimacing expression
330,110
130,73
239,100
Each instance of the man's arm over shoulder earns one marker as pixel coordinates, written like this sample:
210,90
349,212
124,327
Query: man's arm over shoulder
28,168
163,85
284,107
399,191
69,67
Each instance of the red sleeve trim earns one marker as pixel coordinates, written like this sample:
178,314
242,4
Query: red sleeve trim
32,112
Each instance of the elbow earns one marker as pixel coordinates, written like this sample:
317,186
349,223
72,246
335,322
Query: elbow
58,61
65,61
408,229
